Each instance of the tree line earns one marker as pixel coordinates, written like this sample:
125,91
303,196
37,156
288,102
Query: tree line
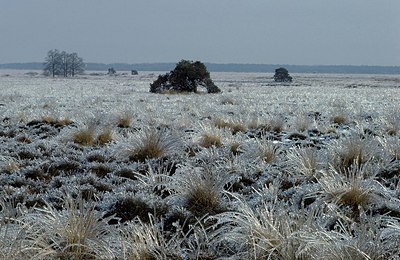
61,63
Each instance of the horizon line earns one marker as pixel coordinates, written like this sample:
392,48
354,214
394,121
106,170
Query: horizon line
216,63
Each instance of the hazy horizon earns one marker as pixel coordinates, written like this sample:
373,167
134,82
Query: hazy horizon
315,32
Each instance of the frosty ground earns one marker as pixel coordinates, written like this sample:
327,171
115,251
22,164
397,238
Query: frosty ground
96,167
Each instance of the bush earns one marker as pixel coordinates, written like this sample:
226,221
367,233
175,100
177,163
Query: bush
186,77
282,75
111,71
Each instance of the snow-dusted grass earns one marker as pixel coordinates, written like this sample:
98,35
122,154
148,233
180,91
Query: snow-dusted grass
96,167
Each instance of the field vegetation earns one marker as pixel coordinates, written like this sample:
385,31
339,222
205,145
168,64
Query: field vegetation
96,167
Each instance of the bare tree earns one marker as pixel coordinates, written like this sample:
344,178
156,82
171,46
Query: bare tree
52,65
76,64
63,63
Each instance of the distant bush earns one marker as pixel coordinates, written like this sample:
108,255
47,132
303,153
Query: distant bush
282,75
111,71
186,77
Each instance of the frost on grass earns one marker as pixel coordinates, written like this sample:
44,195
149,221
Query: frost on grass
150,143
101,169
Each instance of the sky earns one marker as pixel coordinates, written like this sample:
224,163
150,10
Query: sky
298,32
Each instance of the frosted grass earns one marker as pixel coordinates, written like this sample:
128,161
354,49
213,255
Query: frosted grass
295,205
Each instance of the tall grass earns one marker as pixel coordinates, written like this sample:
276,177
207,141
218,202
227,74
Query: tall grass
152,143
76,232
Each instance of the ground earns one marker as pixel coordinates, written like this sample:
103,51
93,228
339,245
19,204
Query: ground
300,169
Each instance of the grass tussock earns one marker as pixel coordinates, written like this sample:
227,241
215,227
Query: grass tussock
76,232
209,140
49,120
339,119
235,148
354,189
89,136
351,151
393,123
125,120
9,164
84,136
275,124
348,241
57,122
234,126
203,200
147,241
391,145
302,123
304,160
201,191
105,137
261,150
266,233
221,123
153,143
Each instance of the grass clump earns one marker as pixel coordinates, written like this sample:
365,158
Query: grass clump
203,199
351,151
104,137
84,136
125,120
267,232
147,241
221,123
9,164
87,136
274,124
153,143
235,127
339,119
210,137
354,189
209,140
49,120
304,161
75,232
201,190
235,148
261,150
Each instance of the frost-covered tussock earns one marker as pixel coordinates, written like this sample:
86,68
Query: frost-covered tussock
98,168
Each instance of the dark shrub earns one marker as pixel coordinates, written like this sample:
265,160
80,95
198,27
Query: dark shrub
186,77
282,75
111,71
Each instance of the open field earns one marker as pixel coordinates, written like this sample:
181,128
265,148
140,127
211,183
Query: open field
96,167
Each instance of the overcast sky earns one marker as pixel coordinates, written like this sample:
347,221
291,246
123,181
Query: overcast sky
310,32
